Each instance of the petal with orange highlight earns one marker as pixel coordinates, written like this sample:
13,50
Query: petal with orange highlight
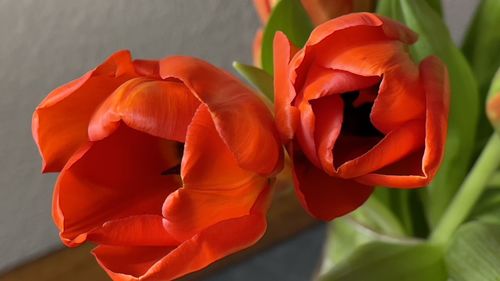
257,48
390,29
287,117
142,230
59,134
159,108
147,68
164,263
434,78
400,97
208,194
328,114
241,118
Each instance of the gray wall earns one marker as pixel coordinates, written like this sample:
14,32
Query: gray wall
48,42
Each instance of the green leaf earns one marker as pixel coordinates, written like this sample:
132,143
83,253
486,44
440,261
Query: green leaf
494,87
482,43
437,6
487,208
384,7
434,39
372,221
289,17
495,181
474,253
481,47
388,261
344,236
258,77
379,217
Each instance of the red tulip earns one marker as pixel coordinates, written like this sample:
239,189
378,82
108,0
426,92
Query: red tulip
355,111
164,165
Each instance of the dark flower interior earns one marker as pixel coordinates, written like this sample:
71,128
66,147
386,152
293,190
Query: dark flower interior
176,169
357,117
358,135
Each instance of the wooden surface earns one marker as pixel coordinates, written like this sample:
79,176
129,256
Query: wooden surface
286,219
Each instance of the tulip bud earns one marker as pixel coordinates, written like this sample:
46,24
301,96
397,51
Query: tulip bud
434,39
493,102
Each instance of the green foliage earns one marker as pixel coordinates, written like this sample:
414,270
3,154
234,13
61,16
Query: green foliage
289,17
391,261
258,77
482,43
482,50
436,5
434,39
474,253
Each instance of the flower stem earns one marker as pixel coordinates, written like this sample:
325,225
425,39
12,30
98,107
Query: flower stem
469,192
495,181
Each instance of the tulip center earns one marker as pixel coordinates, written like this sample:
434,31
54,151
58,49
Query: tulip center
356,117
357,135
175,151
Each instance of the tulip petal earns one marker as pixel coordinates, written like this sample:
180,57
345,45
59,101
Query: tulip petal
406,173
322,82
114,178
434,78
368,59
60,121
391,29
326,197
400,100
287,117
144,230
241,118
408,139
400,97
159,108
328,113
164,263
335,37
125,263
215,187
257,48
148,68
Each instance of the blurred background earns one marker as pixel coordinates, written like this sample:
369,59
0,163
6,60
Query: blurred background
50,42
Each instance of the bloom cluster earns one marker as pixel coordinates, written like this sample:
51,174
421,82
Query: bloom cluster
168,165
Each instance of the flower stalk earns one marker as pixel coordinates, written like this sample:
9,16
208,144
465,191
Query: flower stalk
470,191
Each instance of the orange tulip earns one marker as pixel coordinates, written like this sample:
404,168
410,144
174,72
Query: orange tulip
164,165
318,10
355,112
